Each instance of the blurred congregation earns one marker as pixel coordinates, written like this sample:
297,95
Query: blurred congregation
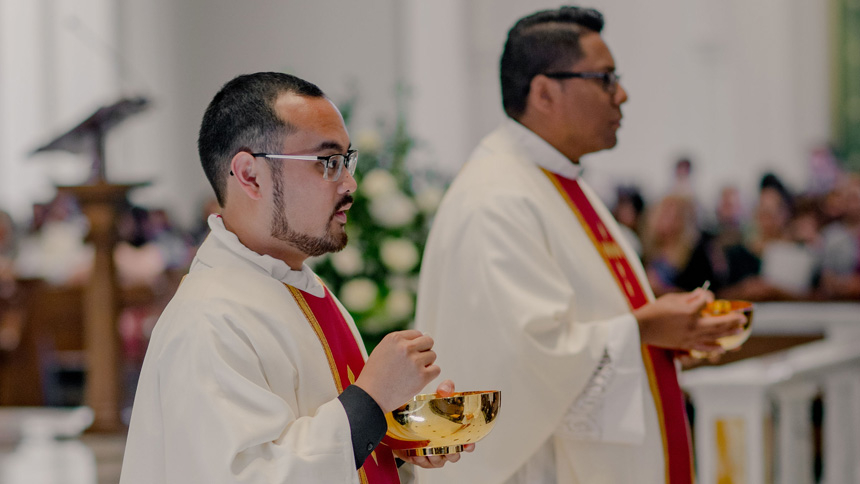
776,244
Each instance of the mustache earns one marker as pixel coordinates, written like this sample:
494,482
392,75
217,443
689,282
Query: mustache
346,200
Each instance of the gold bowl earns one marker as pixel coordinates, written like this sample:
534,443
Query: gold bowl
720,307
434,425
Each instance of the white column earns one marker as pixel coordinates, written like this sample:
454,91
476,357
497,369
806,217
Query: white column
726,402
842,427
794,453
21,101
438,75
59,64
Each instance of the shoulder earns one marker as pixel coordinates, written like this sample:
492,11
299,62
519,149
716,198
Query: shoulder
223,301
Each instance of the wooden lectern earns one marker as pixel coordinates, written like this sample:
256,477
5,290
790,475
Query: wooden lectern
100,201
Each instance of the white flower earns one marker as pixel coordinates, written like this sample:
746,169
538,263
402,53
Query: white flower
347,262
393,209
399,304
398,281
359,295
429,198
377,183
377,325
369,141
399,255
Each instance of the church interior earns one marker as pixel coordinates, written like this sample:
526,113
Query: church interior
742,132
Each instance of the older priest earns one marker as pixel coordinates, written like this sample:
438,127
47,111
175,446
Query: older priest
528,285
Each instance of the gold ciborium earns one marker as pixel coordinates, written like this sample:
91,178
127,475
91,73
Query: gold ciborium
434,425
720,307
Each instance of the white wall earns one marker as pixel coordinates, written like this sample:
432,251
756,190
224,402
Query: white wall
740,85
56,70
338,45
61,60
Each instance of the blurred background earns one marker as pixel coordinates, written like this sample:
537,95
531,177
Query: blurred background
737,163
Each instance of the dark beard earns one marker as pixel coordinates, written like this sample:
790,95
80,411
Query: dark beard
312,246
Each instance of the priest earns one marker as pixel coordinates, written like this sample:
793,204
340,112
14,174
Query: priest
529,287
255,373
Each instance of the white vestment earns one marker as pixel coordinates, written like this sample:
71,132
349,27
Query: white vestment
235,386
518,299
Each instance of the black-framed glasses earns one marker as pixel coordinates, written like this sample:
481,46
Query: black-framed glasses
608,79
333,164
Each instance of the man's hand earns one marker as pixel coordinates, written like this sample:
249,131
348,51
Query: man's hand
675,321
445,389
399,367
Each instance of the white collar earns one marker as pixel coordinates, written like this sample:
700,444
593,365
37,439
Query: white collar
539,151
304,279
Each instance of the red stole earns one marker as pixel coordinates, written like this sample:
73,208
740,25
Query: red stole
659,362
346,361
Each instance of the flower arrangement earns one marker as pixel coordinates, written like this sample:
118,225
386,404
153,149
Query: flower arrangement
376,275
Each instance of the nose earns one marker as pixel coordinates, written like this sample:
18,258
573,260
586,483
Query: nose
620,96
347,183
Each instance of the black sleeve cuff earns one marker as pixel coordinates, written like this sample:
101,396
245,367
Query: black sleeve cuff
367,423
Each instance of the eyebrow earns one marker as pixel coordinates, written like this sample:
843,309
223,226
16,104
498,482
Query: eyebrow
330,145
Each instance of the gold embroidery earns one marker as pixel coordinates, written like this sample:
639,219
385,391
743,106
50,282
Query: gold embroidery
303,305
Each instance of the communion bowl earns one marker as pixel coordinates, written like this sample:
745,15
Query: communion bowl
433,425
725,306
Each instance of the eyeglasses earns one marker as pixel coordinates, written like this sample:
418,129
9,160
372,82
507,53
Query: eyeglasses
609,79
333,163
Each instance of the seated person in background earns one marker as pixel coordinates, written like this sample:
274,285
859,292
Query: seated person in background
670,239
680,257
628,209
772,214
730,217
788,268
840,271
55,249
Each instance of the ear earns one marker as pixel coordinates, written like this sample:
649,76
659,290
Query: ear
543,94
244,171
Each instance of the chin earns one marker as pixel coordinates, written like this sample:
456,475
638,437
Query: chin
610,142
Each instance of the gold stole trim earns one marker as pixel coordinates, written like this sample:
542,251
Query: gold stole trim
609,251
312,319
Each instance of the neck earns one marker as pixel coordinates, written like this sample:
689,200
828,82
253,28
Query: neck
243,227
546,131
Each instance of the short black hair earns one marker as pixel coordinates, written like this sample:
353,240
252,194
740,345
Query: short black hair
538,43
242,117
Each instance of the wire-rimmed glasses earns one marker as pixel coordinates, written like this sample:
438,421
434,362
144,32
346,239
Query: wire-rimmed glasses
333,164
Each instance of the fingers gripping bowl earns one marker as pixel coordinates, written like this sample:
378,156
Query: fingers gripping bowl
725,306
434,425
